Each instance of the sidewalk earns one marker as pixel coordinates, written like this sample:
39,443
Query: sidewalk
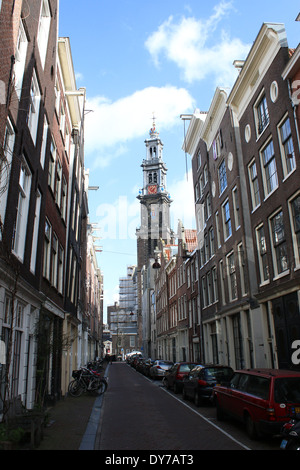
73,423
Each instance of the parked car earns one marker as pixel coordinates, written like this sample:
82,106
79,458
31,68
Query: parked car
175,376
146,366
263,399
199,383
139,364
159,368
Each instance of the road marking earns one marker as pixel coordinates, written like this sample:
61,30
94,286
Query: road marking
207,420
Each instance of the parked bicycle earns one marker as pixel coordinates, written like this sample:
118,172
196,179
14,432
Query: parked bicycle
87,380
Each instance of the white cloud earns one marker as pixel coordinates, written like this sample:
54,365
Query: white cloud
197,48
112,124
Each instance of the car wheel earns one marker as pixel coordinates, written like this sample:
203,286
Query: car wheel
184,394
164,382
251,428
176,388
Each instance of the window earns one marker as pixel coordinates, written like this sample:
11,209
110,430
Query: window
242,267
254,187
279,245
287,147
5,165
218,229
261,114
54,264
44,142
269,168
236,208
43,31
20,229
232,283
222,177
62,120
36,225
295,217
34,106
207,207
226,220
20,59
58,186
262,254
198,160
64,199
47,248
211,242
51,171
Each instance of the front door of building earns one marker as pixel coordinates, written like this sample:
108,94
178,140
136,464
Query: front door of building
286,315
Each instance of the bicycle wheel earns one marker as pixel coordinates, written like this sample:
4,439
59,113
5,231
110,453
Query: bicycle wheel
102,387
75,388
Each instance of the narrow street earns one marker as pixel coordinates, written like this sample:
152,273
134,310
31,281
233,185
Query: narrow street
139,414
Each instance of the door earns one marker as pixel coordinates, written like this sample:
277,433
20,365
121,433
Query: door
287,327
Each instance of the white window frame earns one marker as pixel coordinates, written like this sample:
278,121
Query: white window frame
272,161
295,234
35,235
47,250
44,142
52,165
274,248
261,125
44,29
226,220
20,59
232,277
20,230
286,159
261,246
254,185
34,106
8,147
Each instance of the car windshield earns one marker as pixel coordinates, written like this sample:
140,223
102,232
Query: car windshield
186,367
165,363
224,373
287,390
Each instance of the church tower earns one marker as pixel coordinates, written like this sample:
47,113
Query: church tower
155,200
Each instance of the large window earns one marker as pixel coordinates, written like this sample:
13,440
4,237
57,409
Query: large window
36,225
52,163
222,177
227,228
295,217
34,106
20,229
47,250
279,245
261,114
232,280
254,187
269,168
5,165
262,254
20,59
44,28
287,147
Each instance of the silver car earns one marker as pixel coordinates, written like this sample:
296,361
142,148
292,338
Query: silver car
159,368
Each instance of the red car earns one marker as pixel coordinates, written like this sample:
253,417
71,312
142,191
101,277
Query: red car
263,399
174,377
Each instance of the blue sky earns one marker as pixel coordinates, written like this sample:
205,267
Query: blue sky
136,58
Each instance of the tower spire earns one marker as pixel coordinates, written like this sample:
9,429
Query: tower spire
153,132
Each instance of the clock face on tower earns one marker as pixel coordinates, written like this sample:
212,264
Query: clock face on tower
152,189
